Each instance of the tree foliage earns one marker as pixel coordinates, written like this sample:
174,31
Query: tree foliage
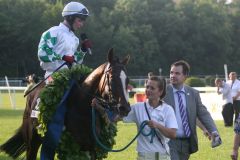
194,82
154,32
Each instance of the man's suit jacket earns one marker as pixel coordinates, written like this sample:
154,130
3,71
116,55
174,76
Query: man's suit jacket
195,109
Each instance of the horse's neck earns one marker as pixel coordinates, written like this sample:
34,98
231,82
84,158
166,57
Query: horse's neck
91,83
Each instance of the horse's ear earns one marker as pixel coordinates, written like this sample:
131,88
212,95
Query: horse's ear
126,60
110,55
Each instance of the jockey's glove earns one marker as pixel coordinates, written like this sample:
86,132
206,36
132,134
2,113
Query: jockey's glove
68,59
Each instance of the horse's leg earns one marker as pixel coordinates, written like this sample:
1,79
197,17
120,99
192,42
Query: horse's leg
33,146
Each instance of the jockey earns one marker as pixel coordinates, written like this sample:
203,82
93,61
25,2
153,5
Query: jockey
59,44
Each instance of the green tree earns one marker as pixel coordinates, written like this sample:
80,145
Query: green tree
205,32
234,11
154,32
20,29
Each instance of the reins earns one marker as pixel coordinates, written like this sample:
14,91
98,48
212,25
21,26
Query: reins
41,82
152,133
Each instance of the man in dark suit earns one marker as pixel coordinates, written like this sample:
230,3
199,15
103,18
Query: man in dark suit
187,105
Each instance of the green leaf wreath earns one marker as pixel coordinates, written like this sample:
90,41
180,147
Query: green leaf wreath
68,149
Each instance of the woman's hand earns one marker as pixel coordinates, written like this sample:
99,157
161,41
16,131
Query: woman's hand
153,124
167,132
95,104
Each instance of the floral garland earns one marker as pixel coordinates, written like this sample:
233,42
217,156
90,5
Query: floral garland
68,148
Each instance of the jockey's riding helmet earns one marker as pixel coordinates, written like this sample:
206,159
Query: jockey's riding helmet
73,10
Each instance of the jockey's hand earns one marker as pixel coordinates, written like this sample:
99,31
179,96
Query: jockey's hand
86,45
68,59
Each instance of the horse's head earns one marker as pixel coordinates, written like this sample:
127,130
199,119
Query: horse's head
113,85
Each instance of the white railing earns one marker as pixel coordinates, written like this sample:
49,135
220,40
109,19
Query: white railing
12,88
209,97
11,95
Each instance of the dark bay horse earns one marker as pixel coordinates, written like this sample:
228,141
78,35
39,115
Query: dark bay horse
107,82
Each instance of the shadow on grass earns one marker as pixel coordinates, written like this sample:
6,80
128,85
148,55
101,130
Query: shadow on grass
7,113
5,157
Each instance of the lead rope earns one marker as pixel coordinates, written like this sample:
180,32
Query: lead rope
142,126
153,130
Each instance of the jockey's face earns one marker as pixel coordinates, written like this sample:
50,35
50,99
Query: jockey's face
78,23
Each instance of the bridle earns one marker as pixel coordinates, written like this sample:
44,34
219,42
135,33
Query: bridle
111,102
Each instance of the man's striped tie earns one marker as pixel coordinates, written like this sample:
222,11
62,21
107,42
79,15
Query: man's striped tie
183,114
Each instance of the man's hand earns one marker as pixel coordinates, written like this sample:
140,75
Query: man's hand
207,134
68,59
216,139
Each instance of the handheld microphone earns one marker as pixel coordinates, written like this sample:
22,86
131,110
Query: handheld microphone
85,38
